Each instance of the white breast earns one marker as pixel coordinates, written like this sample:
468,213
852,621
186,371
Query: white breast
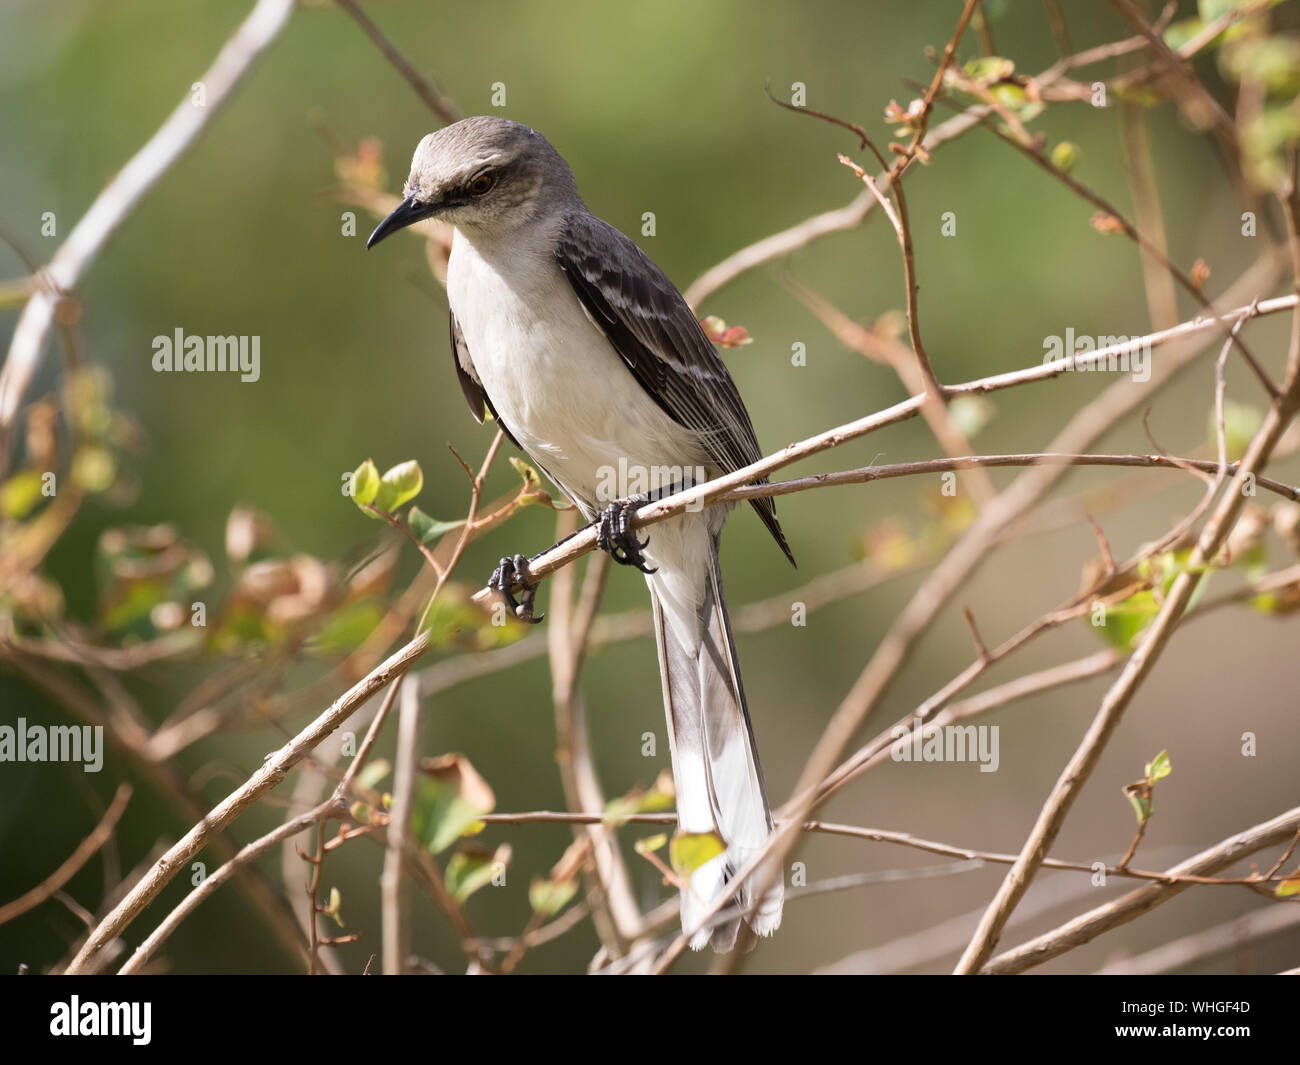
555,381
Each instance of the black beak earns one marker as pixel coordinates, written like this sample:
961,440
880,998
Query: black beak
408,211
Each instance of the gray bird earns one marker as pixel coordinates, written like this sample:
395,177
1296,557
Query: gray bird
591,362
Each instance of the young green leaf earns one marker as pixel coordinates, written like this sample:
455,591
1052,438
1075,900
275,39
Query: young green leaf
690,850
365,483
650,844
1159,767
549,897
472,867
399,485
450,797
373,773
1141,803
428,529
641,801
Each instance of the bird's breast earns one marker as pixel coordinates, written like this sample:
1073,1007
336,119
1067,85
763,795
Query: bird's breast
554,379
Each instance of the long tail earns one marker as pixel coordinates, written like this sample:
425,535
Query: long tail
715,762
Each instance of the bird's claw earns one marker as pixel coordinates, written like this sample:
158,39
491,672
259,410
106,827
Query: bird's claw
615,536
503,580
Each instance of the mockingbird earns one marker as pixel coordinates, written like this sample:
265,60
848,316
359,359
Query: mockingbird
591,362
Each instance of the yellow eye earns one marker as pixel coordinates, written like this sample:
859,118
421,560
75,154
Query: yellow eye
481,184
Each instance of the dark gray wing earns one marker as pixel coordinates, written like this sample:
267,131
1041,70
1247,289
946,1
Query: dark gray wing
475,396
651,327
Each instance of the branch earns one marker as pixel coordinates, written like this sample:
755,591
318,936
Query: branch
436,102
271,773
819,225
86,849
392,884
1088,926
1230,936
124,193
1152,643
720,488
951,574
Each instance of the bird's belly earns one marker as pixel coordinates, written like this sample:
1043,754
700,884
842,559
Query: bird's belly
568,398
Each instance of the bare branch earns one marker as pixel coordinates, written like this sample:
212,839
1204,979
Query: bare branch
1112,914
124,193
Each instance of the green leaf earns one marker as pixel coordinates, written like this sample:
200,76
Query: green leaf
347,628
1141,805
990,68
1181,32
1287,888
399,485
1126,620
650,844
332,910
549,897
1159,768
374,772
1274,61
690,850
655,800
365,483
449,799
93,468
20,494
532,482
1009,95
1065,156
1241,422
971,414
427,529
471,868
1210,10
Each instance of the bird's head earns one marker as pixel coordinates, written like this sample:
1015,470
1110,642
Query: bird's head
485,173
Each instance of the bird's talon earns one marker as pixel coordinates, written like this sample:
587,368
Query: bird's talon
502,582
615,536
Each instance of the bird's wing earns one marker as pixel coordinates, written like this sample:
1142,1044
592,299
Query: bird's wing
475,395
649,324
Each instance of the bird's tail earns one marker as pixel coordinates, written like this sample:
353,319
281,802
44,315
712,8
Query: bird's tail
715,762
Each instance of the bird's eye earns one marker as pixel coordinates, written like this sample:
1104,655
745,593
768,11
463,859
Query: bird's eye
481,184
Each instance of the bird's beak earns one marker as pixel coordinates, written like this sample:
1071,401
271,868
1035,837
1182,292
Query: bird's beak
408,211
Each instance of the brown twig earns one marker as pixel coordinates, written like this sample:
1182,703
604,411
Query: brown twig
84,851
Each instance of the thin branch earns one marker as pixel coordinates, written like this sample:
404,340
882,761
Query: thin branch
272,771
1088,926
1234,935
1152,643
434,100
85,850
714,491
392,885
125,192
952,573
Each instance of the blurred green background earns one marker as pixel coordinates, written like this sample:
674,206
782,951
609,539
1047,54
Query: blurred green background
658,107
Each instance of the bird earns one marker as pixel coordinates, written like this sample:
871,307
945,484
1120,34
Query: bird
567,335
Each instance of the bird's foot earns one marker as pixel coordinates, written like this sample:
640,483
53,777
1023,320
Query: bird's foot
503,580
615,536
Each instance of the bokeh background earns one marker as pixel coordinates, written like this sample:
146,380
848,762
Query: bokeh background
658,107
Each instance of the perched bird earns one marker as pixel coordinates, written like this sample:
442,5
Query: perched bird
591,362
